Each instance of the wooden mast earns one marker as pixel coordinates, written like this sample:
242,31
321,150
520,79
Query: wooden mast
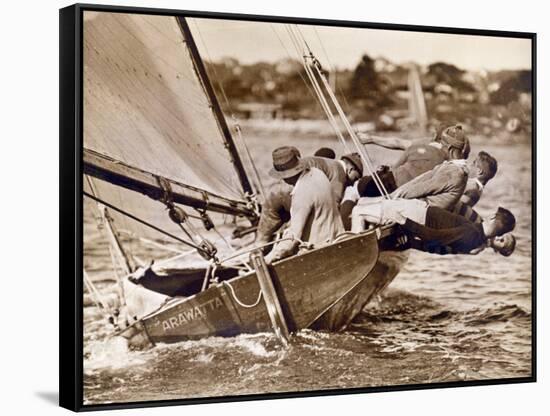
215,105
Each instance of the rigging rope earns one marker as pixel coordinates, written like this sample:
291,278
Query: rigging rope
98,299
320,96
332,69
353,136
249,156
153,243
179,216
260,186
147,224
360,147
299,60
108,313
115,246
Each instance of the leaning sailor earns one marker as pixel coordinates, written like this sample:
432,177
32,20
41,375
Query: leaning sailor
276,210
418,158
436,230
314,215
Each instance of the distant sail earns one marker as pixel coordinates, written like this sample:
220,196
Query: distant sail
417,104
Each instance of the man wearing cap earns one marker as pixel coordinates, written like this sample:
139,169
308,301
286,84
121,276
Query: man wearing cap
314,216
276,209
418,158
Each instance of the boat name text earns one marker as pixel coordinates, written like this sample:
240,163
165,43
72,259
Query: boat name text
191,314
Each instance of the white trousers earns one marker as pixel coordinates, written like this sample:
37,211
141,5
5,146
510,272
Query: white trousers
386,211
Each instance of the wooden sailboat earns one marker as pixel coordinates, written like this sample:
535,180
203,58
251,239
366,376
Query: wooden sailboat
306,285
155,139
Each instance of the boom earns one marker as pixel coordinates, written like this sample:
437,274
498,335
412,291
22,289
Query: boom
129,177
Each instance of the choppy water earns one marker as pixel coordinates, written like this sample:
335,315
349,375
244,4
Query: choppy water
444,318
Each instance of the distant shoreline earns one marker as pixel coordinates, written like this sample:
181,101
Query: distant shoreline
321,129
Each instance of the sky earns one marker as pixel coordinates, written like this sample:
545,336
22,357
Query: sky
251,42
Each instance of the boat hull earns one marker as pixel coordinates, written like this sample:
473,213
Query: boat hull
341,314
307,285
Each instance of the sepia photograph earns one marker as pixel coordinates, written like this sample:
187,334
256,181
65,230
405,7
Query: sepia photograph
289,207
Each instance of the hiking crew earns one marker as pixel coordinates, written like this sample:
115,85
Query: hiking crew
418,158
439,231
431,198
444,231
441,187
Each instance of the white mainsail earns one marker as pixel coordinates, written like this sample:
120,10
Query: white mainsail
146,106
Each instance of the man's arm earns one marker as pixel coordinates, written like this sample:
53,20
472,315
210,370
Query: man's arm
477,250
271,219
350,198
467,212
299,213
442,250
337,188
387,142
270,222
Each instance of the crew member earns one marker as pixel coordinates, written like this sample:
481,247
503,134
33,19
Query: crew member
418,158
437,230
276,209
314,216
275,213
340,173
441,187
446,231
484,169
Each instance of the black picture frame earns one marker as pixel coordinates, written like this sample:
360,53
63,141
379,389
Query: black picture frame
71,204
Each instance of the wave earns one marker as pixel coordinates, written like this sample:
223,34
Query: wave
402,306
